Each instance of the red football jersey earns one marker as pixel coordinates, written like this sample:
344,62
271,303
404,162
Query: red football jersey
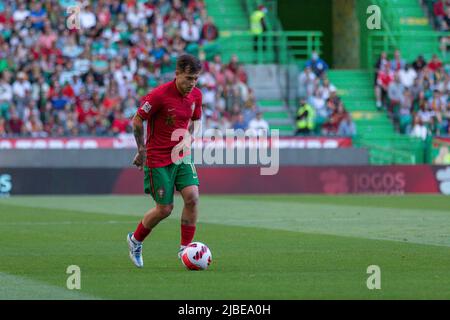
165,111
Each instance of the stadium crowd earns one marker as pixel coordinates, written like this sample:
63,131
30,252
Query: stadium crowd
64,76
321,111
439,13
415,94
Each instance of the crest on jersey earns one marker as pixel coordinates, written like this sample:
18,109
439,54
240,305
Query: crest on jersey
170,120
161,192
147,107
193,107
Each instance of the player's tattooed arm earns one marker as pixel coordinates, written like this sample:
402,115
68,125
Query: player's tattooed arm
191,127
195,128
138,131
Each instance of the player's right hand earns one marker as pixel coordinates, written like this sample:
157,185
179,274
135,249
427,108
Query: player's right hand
139,160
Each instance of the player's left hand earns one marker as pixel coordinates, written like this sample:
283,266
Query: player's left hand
139,160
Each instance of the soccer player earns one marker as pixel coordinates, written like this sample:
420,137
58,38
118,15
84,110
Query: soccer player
171,106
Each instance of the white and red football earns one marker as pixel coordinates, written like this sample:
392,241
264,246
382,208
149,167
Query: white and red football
196,256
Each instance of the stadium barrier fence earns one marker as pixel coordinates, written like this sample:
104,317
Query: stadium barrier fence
235,180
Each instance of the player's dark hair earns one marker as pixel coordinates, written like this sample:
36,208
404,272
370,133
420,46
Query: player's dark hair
189,63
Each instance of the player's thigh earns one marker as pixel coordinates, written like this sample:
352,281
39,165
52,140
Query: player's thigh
186,176
159,182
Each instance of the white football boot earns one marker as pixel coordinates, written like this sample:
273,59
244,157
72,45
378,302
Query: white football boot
180,251
135,248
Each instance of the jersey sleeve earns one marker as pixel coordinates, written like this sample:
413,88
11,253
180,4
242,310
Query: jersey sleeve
149,105
198,108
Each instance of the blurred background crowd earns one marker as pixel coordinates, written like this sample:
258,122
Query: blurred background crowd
78,73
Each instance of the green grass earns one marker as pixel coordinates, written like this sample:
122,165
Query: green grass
264,247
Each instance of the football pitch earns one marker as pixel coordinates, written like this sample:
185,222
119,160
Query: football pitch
263,247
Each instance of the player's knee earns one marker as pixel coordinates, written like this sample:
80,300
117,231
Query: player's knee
165,211
191,201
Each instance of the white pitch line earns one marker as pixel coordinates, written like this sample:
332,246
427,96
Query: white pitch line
47,223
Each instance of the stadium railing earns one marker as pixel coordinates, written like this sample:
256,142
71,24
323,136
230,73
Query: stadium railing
405,27
385,155
411,44
394,149
280,47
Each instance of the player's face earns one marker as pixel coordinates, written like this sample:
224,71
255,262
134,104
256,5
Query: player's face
186,81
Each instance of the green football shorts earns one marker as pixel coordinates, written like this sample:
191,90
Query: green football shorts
160,182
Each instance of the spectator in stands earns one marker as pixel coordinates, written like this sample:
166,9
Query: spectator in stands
307,82
381,62
435,63
3,132
259,125
397,63
224,123
403,118
446,120
419,130
134,17
317,65
249,112
38,15
209,31
427,79
331,126
395,94
326,88
444,85
88,20
419,64
437,102
380,65
438,105
444,26
20,89
347,127
33,127
233,65
445,42
190,31
6,95
305,118
15,124
384,79
439,12
21,13
319,104
407,76
120,124
258,27
425,115
447,15
239,122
